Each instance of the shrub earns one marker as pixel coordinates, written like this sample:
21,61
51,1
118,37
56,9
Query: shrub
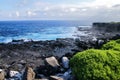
95,64
114,44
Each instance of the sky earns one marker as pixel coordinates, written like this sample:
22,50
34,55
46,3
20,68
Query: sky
83,10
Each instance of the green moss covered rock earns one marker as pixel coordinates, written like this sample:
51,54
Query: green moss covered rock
96,65
113,44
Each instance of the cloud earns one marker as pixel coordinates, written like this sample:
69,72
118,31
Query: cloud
100,3
73,9
117,5
22,3
30,13
17,13
10,15
96,10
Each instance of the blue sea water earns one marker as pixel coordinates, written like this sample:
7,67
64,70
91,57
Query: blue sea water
37,30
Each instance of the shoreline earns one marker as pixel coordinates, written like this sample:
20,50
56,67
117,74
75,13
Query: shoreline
17,54
59,47
15,57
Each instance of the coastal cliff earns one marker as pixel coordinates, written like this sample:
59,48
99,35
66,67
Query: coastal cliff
108,27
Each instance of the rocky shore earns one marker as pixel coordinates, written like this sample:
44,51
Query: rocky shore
49,60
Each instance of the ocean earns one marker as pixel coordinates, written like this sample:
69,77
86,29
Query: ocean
38,30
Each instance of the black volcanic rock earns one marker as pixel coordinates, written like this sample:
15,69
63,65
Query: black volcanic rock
16,54
108,27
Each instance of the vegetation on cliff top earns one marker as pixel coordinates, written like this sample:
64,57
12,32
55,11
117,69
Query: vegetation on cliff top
96,64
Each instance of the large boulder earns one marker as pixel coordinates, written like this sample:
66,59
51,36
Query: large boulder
2,74
65,62
28,74
52,61
52,65
14,74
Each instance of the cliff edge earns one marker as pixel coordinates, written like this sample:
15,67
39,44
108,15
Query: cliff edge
108,27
